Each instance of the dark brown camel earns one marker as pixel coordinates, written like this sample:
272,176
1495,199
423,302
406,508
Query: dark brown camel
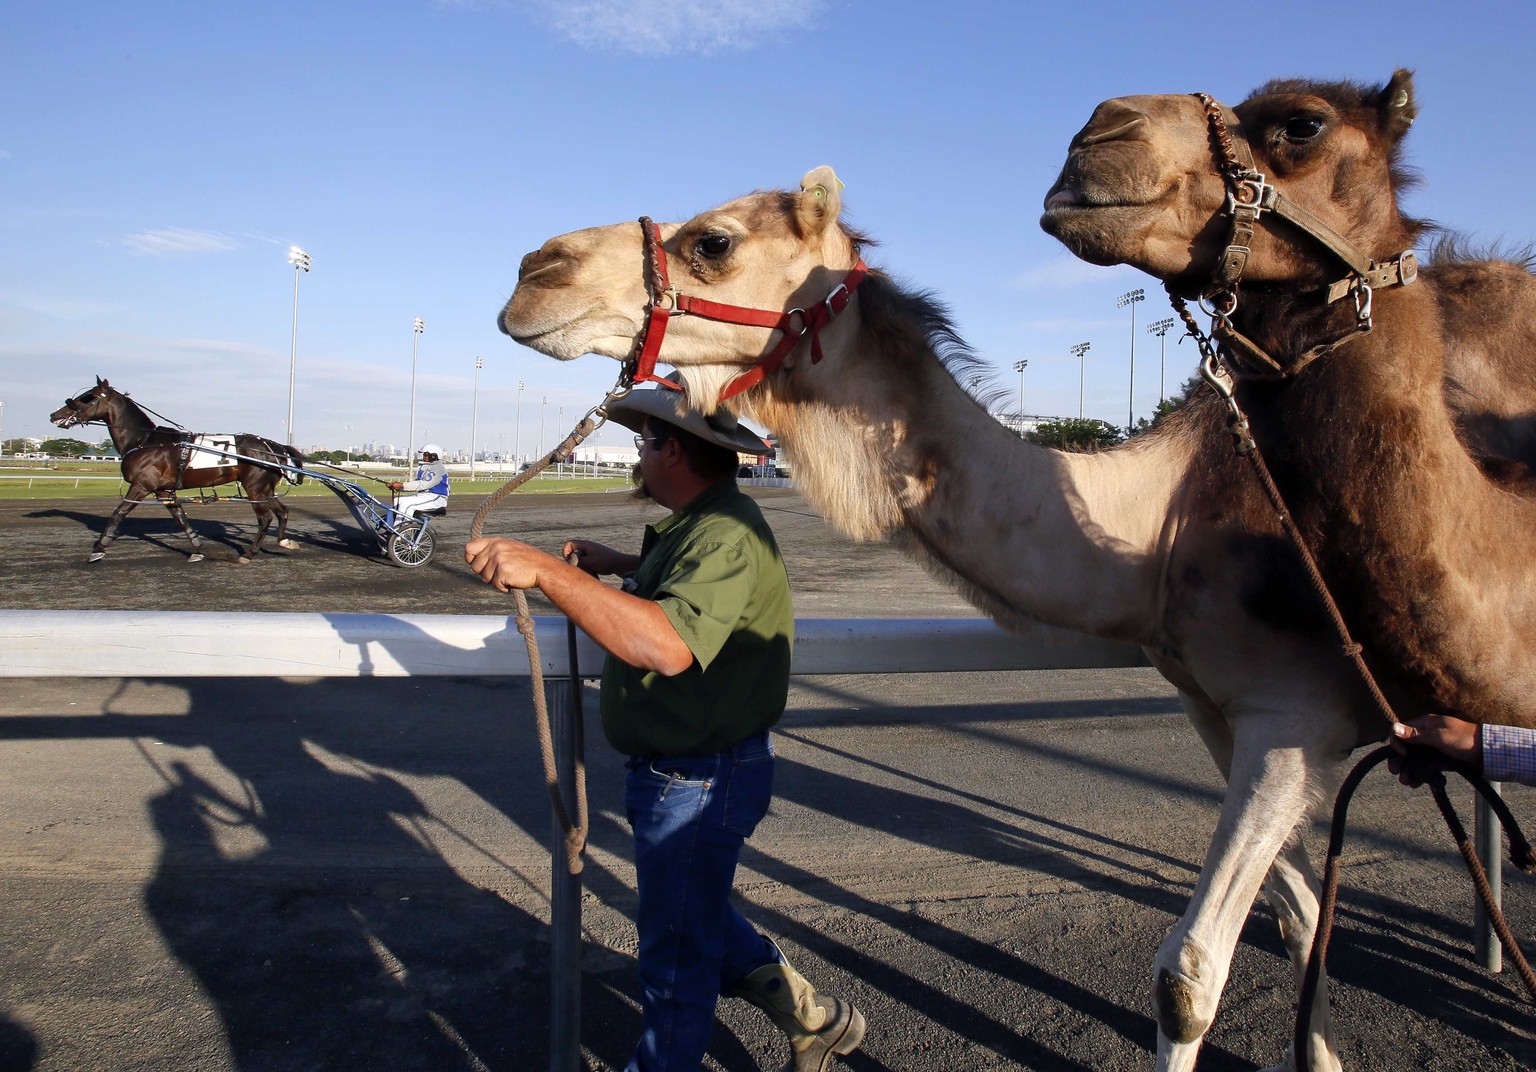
1431,549
1396,412
160,461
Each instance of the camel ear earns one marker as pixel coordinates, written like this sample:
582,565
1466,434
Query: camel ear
821,199
1399,107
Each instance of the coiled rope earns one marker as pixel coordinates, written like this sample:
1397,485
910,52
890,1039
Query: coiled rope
574,828
1427,767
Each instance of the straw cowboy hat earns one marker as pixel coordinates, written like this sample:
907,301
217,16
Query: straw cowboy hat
720,427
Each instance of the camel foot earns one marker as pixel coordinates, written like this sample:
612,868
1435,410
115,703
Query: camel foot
196,557
288,545
97,556
242,560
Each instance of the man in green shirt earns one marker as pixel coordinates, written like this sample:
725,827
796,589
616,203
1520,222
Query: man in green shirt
698,645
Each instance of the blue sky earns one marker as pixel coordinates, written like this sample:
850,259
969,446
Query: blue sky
158,159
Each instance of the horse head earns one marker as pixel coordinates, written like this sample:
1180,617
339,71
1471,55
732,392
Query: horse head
90,406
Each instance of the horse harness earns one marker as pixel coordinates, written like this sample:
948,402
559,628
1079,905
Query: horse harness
666,301
1227,354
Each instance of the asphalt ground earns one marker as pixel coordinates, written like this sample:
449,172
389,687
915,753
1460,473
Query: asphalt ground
300,874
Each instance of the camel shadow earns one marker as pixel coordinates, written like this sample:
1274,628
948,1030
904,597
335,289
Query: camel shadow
18,1047
335,873
335,910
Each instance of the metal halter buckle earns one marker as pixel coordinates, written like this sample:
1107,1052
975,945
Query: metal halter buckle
1249,190
827,301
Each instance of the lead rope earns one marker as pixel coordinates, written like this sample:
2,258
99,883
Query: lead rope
1429,768
1214,373
573,829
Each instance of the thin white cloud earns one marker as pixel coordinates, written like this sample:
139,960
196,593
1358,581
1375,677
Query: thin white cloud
668,27
5,154
178,242
1067,271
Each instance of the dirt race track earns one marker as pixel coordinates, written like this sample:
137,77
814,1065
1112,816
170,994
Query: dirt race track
338,568
290,875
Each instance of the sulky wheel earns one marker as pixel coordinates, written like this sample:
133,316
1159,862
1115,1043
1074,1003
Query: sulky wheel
403,551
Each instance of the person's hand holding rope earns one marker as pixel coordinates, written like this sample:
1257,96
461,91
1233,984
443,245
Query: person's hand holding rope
506,564
1454,737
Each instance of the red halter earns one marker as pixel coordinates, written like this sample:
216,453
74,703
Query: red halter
667,302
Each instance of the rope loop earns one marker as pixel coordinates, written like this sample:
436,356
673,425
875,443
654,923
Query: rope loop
1428,767
574,828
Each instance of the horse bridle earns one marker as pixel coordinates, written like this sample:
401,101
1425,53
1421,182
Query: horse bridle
76,403
1249,196
666,301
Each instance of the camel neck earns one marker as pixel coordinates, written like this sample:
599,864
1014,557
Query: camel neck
1073,540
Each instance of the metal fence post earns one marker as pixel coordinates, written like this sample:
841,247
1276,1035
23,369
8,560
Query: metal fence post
1488,842
564,889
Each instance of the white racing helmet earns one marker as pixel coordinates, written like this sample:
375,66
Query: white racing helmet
432,449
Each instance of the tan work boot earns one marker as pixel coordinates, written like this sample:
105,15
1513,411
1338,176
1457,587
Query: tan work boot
818,1026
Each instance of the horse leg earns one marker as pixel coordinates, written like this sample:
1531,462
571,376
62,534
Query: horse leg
108,534
180,514
263,521
282,526
1276,761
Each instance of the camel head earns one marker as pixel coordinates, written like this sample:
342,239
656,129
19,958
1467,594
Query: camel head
1141,184
586,291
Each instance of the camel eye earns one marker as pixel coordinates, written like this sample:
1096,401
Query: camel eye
714,246
1300,129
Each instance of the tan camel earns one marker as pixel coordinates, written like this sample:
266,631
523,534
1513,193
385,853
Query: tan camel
1165,542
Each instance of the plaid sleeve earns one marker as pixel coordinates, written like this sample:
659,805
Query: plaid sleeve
1509,754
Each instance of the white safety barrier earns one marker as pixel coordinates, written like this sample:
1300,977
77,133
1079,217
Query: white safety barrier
140,644
127,643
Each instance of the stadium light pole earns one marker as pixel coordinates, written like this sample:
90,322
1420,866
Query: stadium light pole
1019,367
1130,298
543,409
2,429
1160,329
300,260
417,327
517,440
474,415
1079,351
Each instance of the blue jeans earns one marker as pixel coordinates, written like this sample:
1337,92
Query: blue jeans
690,816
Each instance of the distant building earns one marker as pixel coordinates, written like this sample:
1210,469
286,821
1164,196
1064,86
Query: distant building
1021,424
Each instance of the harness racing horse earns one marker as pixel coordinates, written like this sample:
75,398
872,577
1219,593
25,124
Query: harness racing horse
156,462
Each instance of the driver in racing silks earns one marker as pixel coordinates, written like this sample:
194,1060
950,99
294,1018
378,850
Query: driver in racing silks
428,492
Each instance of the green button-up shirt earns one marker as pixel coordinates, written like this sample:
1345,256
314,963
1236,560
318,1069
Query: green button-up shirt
714,567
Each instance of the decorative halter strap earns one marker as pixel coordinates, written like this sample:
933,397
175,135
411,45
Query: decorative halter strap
1249,196
667,302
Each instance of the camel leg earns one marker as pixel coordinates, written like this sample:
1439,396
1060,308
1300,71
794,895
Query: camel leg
180,514
108,534
1294,892
1273,769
